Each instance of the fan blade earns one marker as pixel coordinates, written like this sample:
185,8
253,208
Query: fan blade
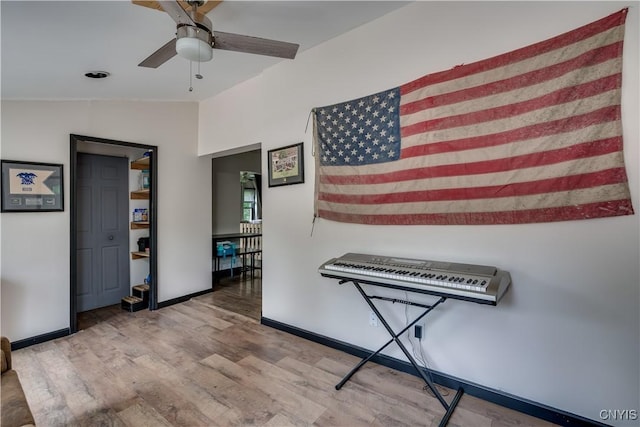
257,45
160,56
176,12
152,4
208,6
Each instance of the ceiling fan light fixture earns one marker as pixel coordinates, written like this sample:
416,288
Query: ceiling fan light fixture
194,49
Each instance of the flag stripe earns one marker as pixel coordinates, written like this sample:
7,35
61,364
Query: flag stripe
553,127
528,92
565,40
442,156
579,166
610,176
552,99
509,71
587,149
496,204
522,80
560,213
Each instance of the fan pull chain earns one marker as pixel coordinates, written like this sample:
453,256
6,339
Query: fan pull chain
198,75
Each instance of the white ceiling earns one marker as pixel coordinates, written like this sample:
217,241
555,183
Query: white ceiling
48,46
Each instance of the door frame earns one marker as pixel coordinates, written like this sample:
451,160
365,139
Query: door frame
74,141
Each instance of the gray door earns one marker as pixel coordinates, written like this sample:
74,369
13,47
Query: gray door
102,230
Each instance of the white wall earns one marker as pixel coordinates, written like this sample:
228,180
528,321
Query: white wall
35,246
227,192
567,333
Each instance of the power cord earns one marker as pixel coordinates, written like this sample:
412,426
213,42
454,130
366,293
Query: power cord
421,358
443,391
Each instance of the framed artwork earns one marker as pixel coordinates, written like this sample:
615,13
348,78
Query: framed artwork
32,187
286,165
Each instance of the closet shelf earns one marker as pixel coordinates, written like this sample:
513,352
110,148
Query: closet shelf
140,194
141,163
139,255
135,225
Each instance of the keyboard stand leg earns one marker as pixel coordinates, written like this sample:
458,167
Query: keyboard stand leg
359,365
395,337
452,407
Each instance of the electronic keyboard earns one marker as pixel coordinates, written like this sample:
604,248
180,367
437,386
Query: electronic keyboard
476,283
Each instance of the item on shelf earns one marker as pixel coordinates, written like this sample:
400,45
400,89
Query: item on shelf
143,244
140,214
144,179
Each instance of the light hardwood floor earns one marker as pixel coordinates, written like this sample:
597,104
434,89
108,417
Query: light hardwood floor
198,364
239,296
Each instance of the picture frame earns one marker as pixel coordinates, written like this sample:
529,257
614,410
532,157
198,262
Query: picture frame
286,165
32,186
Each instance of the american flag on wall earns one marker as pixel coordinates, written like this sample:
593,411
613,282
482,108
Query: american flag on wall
533,135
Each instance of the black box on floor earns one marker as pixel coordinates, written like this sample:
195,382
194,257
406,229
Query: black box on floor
132,303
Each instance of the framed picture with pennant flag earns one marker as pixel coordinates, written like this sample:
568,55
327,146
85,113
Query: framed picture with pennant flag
32,187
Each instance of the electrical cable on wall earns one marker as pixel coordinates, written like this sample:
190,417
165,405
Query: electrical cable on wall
419,354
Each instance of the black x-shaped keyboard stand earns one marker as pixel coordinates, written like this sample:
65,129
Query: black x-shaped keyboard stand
449,407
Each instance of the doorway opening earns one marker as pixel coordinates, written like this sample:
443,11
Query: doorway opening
108,269
237,218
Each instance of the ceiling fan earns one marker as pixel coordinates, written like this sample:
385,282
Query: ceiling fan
195,39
